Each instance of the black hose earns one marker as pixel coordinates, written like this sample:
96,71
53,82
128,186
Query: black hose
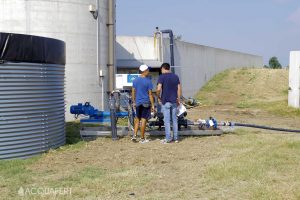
267,127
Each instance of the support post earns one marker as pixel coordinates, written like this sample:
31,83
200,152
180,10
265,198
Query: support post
294,79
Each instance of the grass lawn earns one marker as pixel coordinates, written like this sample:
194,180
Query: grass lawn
241,164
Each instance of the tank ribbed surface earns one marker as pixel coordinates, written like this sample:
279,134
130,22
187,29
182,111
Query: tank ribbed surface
32,109
71,22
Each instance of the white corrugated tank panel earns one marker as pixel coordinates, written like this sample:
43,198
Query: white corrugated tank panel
294,79
71,22
31,109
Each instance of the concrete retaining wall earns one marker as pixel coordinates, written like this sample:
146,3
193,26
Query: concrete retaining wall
198,63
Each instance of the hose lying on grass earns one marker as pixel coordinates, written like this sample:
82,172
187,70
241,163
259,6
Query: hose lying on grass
266,127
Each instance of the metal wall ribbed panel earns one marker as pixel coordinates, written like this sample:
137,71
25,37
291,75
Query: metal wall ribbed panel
32,109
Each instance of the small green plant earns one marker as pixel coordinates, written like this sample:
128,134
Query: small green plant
72,132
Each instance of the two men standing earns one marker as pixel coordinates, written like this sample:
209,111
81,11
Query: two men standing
168,93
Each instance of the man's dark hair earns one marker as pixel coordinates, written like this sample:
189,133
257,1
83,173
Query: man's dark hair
166,66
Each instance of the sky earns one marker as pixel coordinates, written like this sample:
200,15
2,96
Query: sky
260,27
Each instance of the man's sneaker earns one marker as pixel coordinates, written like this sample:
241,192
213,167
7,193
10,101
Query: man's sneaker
142,141
176,141
133,139
164,141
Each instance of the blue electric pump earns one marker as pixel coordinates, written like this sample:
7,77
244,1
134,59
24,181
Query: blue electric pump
95,116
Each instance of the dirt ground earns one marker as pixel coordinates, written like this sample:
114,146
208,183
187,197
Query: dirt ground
220,167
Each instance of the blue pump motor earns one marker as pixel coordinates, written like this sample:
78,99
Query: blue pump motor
94,114
85,109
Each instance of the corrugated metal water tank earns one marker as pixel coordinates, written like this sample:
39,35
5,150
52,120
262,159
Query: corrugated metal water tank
72,22
32,108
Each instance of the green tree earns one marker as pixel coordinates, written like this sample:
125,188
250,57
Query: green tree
274,63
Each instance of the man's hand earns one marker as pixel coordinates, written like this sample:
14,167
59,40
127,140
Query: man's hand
152,108
159,100
179,94
133,104
178,101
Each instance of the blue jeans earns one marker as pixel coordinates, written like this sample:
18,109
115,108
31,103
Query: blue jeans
169,109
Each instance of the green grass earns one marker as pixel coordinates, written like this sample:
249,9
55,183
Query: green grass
15,174
245,164
214,84
257,166
279,108
250,89
122,122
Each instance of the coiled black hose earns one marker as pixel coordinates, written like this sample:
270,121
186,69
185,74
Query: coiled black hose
267,127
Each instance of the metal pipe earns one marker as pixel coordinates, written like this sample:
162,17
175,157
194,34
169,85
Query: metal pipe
98,40
170,32
112,108
189,132
102,92
160,43
111,45
99,70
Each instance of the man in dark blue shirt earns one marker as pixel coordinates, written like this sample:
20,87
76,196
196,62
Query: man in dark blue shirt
143,101
169,93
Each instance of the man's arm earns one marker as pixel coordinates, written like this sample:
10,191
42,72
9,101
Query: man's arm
158,91
133,96
179,93
151,100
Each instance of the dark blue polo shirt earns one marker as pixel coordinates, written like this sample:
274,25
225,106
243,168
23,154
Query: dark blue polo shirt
170,82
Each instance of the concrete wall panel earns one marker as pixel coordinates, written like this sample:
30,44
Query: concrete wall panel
294,79
198,63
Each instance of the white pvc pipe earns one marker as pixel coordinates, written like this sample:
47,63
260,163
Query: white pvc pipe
161,54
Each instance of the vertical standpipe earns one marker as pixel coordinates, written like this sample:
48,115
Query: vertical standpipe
111,66
111,45
113,117
294,79
99,69
170,32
